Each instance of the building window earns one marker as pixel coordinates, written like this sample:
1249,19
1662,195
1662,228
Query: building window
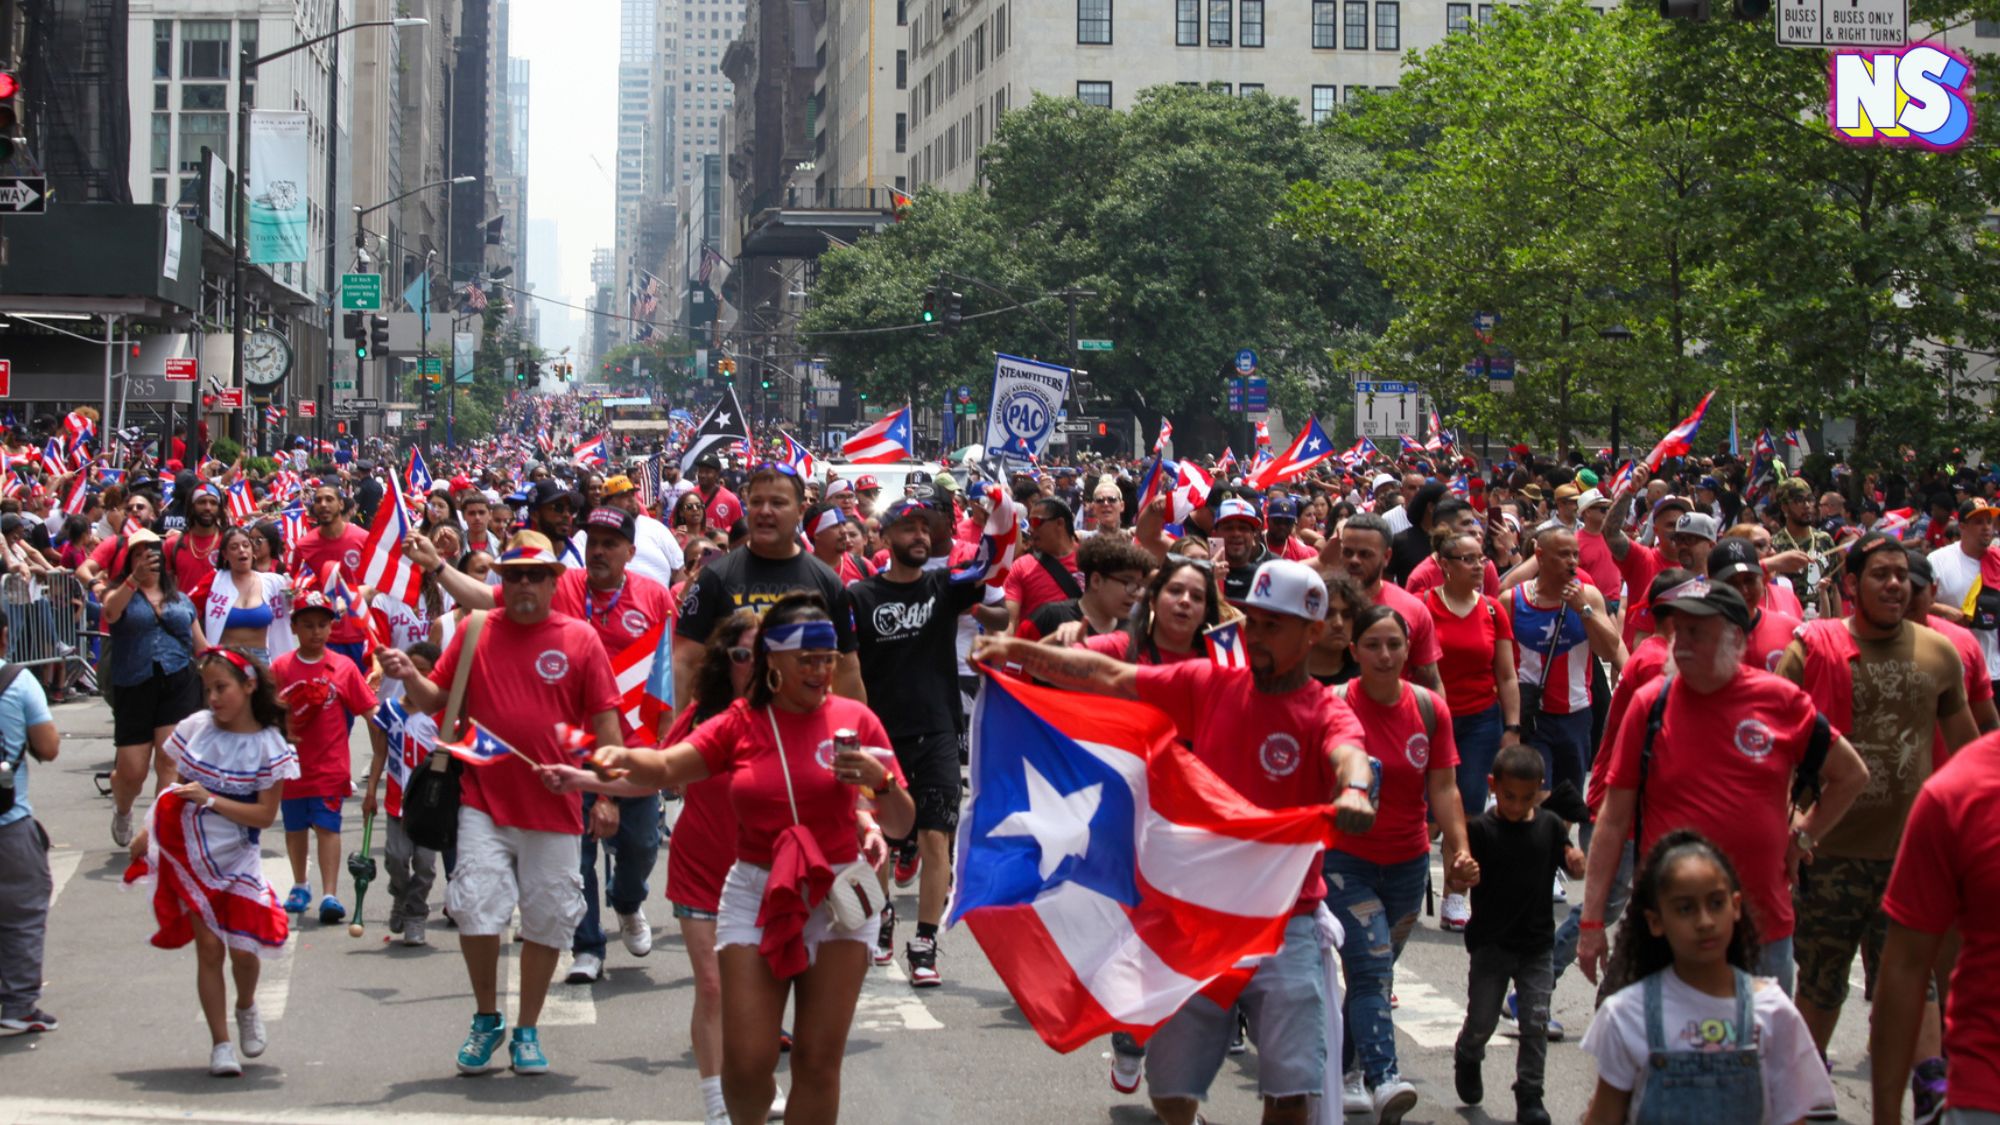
163,48
901,183
979,49
1354,95
1485,14
1457,18
1388,25
951,148
1094,93
1325,99
1356,32
902,13
902,131
1219,23
1251,27
160,95
1000,31
1249,88
1187,23
163,139
198,129
902,70
1093,21
1218,88
1326,24
204,48
204,95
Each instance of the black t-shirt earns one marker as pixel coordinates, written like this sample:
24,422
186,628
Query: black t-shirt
1048,618
740,578
1236,584
908,635
1407,551
1517,861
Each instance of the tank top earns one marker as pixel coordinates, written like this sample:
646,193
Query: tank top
1565,676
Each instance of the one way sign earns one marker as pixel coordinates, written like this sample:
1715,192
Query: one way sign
24,195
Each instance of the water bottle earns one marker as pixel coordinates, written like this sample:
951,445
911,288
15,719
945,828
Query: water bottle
7,776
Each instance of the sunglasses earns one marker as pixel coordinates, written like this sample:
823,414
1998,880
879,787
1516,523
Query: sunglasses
741,656
529,575
784,467
1461,558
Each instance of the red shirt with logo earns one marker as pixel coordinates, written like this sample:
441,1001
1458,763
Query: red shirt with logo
1944,879
1276,750
1397,739
320,551
525,679
1468,644
321,694
193,558
1765,644
619,618
723,508
1723,766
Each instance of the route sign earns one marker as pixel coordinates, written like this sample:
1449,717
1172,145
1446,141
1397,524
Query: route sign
361,292
1843,23
1093,345
364,403
1077,426
1246,362
24,195
183,370
431,365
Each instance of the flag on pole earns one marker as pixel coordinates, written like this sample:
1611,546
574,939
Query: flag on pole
383,564
79,493
649,482
1227,460
242,503
1263,431
1307,450
634,667
1680,439
1360,453
592,453
53,460
1166,432
479,747
1410,446
1225,646
1191,488
799,457
887,441
1156,481
722,427
416,475
80,430
997,540
1108,874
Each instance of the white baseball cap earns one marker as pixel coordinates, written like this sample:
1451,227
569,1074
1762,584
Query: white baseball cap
1591,499
1288,587
1236,508
1381,479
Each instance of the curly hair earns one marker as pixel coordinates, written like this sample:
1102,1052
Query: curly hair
1637,952
713,691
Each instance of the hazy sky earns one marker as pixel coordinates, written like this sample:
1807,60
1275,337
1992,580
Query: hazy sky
572,118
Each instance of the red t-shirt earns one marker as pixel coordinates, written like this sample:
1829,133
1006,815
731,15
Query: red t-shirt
723,508
1595,559
737,744
1428,576
1397,739
1779,596
619,619
1028,582
704,836
1468,644
1977,686
321,694
1765,644
1640,564
1294,549
1946,877
525,679
1223,716
1114,645
1423,631
193,558
319,551
1644,666
1723,765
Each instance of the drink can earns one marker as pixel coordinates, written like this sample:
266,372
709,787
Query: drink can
845,740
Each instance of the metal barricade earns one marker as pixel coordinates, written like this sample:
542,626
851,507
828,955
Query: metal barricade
47,619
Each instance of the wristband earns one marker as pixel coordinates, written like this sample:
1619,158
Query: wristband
1590,925
208,804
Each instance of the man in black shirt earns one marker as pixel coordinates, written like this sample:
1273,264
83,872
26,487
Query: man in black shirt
906,624
770,564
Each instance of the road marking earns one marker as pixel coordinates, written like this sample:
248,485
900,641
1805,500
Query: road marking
62,865
274,984
1424,1014
567,1005
888,1003
57,1111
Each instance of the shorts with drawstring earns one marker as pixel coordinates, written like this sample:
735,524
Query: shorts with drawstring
499,868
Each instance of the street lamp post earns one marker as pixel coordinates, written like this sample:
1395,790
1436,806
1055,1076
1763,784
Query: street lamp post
360,236
1616,334
246,68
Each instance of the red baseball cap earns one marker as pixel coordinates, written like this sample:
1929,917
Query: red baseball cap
867,484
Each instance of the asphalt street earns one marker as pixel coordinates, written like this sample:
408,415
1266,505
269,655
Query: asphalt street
360,1029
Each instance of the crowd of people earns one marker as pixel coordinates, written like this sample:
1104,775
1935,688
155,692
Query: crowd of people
1741,727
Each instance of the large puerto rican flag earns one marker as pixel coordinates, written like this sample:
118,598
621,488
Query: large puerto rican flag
887,441
383,564
1108,874
1307,450
1679,440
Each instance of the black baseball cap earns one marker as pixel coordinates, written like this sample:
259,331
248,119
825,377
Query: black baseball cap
549,491
607,518
1921,573
1718,600
1733,556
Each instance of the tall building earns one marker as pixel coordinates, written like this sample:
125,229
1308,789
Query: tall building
510,170
971,60
422,74
638,90
862,120
704,30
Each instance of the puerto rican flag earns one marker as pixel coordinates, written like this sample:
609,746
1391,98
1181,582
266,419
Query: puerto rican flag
1107,873
241,502
383,564
1166,432
274,416
79,428
1263,432
1896,522
1225,646
79,492
543,442
1411,446
1680,439
479,747
887,441
1191,488
1227,460
1360,453
416,474
292,525
1307,450
1437,439
644,670
593,452
53,460
799,457
1158,480
998,540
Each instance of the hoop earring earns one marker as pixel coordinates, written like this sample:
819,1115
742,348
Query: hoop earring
773,680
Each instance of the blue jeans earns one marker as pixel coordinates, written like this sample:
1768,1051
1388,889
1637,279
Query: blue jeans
1478,738
1614,906
630,852
1774,960
1564,742
1376,905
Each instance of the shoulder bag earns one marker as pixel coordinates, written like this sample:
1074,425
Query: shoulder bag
430,800
1531,694
855,896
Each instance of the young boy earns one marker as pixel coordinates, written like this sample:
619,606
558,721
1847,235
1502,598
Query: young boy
410,737
321,694
1518,846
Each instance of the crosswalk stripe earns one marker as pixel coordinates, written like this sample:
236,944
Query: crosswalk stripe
61,1111
62,865
888,1003
274,983
567,1005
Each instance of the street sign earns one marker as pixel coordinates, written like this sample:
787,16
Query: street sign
343,384
24,195
1246,362
308,408
1843,23
231,398
361,292
6,377
1387,409
1235,395
430,365
399,406
423,423
1077,426
364,403
1093,345
1259,397
183,370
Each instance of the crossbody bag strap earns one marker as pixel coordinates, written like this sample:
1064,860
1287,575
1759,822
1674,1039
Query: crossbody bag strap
1655,717
455,702
8,675
790,797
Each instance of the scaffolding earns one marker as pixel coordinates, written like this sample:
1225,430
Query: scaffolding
73,71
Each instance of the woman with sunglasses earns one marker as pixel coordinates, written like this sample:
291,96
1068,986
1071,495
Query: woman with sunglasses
690,520
793,795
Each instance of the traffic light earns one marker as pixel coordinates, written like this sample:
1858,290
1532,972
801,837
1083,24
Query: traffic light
378,334
351,329
10,114
930,306
954,309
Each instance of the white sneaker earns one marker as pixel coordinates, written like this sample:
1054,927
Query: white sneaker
250,1031
586,969
1126,1071
1354,1094
1456,913
777,1105
121,828
638,934
1393,1098
413,933
1561,893
222,1062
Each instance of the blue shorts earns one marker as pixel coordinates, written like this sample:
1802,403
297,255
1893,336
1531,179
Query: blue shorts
301,813
1285,1003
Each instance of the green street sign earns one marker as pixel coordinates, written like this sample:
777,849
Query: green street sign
430,365
361,292
1093,345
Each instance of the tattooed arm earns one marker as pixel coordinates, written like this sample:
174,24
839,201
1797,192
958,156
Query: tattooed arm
1077,669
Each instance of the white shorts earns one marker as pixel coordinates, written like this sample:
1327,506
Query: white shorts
743,896
499,868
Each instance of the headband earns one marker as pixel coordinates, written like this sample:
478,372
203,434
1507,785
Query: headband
832,517
240,662
799,635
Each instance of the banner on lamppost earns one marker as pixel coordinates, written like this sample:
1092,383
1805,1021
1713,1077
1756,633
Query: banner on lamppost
461,357
280,169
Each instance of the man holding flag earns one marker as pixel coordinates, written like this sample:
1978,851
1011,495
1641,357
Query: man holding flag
1308,752
532,668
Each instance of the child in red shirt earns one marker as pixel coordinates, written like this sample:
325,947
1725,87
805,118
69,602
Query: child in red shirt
321,695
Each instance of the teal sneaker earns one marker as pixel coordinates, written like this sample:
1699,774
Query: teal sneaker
527,1051
476,1057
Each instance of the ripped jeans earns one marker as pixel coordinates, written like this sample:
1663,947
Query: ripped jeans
1376,905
